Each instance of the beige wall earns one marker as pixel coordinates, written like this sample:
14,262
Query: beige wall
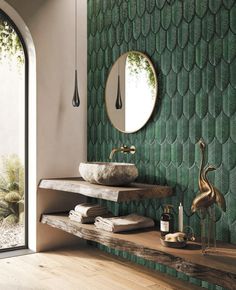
60,128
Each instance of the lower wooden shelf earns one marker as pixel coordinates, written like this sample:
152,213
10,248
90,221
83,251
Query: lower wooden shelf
219,268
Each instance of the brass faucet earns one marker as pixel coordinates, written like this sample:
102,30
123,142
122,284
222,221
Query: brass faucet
123,149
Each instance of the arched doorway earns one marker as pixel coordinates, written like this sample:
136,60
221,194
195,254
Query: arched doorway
13,136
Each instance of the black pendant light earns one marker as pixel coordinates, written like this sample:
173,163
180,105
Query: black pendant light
76,100
118,95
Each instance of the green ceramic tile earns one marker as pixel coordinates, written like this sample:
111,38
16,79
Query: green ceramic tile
150,43
201,103
228,154
222,20
215,50
228,3
140,8
213,147
171,130
201,53
183,81
132,9
189,157
231,205
195,128
177,12
229,44
222,128
194,30
123,12
232,74
177,106
188,12
188,57
165,16
161,40
108,18
183,34
115,15
127,30
150,5
172,38
195,80
208,77
215,102
222,75
177,59
171,83
201,7
232,179
208,26
222,179
215,5
166,62
136,28
146,24
189,105
208,128
192,44
155,20
176,153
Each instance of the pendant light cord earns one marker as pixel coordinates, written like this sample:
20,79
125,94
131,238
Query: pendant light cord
76,64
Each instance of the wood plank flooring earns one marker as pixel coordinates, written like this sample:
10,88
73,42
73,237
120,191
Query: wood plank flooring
86,268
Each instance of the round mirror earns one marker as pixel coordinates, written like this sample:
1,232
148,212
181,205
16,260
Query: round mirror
131,92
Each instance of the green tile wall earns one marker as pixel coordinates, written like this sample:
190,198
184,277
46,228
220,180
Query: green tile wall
192,44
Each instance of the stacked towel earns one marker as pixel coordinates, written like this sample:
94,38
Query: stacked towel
123,223
86,212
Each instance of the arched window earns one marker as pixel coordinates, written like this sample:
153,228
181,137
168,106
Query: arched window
13,136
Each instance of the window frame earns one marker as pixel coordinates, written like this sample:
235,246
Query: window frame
26,139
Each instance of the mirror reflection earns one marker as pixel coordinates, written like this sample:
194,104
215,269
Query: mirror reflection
131,92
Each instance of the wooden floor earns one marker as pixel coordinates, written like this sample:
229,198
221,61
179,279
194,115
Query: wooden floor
83,269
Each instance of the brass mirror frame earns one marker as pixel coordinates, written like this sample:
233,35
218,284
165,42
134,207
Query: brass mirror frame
156,90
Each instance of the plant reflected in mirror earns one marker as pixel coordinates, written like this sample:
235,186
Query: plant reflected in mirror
137,88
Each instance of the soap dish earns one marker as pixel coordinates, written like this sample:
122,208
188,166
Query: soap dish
169,244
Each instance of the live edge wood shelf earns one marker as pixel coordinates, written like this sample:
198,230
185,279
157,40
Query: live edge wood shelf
218,268
135,191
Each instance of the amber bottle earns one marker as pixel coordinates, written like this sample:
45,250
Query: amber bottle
167,221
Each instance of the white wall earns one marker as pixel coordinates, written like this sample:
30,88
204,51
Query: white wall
60,128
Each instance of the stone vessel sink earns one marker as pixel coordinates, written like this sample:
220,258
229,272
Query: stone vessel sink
108,173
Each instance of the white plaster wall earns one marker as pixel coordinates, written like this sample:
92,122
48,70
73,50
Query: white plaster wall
61,129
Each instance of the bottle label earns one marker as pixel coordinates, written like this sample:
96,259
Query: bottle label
164,226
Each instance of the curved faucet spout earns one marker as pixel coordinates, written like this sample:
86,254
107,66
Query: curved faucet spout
123,149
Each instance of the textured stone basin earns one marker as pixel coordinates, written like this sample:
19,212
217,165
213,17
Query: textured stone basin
108,173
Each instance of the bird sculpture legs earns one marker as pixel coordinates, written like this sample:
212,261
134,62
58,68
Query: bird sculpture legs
208,232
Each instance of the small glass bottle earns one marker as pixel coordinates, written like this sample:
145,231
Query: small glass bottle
167,221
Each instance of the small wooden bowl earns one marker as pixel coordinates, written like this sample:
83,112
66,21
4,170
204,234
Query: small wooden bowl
173,244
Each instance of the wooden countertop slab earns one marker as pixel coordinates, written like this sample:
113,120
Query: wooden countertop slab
135,191
219,268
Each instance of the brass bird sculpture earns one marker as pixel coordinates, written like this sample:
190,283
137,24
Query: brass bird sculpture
208,194
207,197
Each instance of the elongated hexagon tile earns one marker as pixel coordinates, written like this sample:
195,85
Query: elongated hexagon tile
222,128
195,30
192,44
177,59
177,12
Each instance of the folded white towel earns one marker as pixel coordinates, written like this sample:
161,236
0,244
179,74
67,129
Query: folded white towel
89,209
123,223
77,217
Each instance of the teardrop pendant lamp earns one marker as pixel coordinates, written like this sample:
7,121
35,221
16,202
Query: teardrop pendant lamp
118,95
76,99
